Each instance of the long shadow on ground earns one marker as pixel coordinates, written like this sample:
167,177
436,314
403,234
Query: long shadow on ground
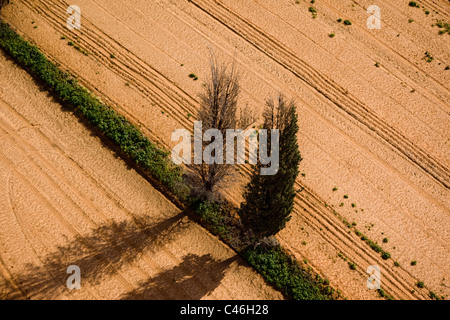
100,254
195,277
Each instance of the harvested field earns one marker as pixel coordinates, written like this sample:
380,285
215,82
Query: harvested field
66,199
373,113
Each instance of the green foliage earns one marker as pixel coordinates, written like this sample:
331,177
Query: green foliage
428,57
285,274
269,199
77,47
214,216
193,76
444,26
413,4
113,125
375,247
413,263
420,284
347,22
385,255
313,12
383,294
434,296
347,223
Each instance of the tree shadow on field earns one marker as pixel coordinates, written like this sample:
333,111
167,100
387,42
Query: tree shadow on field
195,277
100,254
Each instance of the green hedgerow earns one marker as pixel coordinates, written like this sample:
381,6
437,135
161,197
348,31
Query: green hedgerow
113,125
284,273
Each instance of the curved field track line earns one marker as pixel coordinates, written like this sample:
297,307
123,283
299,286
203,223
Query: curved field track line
325,86
51,208
70,191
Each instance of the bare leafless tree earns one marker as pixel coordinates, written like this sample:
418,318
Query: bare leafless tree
276,115
219,110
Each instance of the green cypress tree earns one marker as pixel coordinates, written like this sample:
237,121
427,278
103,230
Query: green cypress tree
269,199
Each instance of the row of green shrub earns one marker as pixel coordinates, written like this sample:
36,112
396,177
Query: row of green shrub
273,263
285,273
374,246
113,125
213,215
